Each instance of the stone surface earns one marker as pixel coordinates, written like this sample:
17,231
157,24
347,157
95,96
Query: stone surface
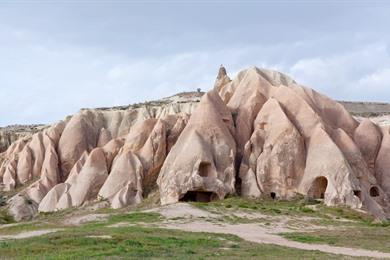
274,157
259,134
200,166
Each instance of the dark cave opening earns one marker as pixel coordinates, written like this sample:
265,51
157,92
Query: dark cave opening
198,196
374,191
357,193
318,188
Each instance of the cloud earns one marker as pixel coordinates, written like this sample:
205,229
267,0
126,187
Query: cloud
42,79
378,80
359,74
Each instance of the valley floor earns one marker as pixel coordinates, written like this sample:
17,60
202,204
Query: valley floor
234,228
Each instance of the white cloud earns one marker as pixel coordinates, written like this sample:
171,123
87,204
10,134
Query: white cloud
42,80
379,79
358,74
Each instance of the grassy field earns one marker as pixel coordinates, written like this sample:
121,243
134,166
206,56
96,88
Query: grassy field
297,207
338,226
144,242
370,237
139,236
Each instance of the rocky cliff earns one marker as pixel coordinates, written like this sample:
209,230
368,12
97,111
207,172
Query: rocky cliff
260,134
10,134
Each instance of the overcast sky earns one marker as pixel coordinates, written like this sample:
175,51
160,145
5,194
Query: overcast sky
59,56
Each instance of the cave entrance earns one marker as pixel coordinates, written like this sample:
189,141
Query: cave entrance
357,193
198,196
205,169
318,188
374,191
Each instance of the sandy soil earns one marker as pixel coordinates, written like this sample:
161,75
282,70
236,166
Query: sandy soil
183,216
182,210
102,237
251,232
29,234
79,220
257,234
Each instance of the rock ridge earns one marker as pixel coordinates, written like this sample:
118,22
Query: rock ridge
259,134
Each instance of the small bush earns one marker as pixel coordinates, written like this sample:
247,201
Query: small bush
3,201
306,210
5,218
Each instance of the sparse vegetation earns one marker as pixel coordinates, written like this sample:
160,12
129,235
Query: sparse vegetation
369,237
343,223
142,238
136,217
298,207
3,201
5,218
305,238
99,240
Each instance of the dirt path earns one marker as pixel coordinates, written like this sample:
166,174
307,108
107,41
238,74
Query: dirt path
254,233
83,219
250,232
28,234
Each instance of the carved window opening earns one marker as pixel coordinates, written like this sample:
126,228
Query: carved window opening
374,191
204,169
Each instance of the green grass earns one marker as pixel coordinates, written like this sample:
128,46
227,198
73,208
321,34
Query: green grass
265,206
305,238
53,221
297,207
27,226
136,217
369,237
5,218
347,227
139,242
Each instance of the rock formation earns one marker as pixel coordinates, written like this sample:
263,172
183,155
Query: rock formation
200,165
260,134
10,134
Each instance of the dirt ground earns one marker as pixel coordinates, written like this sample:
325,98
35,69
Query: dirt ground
185,217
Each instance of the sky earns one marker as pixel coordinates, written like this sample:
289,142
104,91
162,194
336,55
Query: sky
59,56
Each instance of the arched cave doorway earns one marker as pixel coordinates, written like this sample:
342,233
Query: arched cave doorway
374,191
318,188
199,196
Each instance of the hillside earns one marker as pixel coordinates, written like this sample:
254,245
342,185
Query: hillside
376,111
259,166
258,135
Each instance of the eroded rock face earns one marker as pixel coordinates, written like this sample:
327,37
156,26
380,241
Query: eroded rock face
10,134
259,134
22,208
274,157
67,164
295,140
200,166
382,163
124,184
120,171
326,164
368,138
